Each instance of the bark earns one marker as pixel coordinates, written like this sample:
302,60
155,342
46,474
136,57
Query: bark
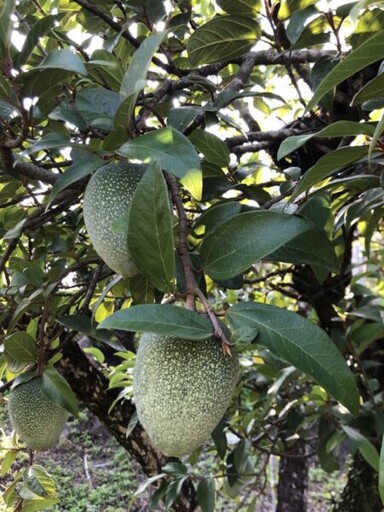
293,481
91,387
361,492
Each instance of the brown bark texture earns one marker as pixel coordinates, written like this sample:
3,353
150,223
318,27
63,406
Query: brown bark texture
293,481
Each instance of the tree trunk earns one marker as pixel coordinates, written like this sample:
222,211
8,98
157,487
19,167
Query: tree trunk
91,387
361,492
293,481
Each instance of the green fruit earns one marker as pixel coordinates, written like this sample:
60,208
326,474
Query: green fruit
182,389
106,205
36,419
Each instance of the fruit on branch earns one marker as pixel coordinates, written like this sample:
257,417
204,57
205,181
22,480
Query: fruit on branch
36,419
106,205
182,389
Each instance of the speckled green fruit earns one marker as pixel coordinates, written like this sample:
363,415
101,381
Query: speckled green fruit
106,205
36,419
182,389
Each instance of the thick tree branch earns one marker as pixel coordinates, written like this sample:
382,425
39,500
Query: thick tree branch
35,172
266,57
260,136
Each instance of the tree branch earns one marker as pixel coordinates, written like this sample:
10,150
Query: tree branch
100,13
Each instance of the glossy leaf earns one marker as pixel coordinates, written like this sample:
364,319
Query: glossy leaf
172,149
39,482
239,7
64,60
206,495
58,390
365,447
212,147
378,132
312,248
161,319
38,30
135,77
302,344
142,290
242,240
371,91
21,347
222,38
367,53
217,214
36,505
338,129
150,230
288,8
83,165
381,471
329,164
50,141
85,325
6,9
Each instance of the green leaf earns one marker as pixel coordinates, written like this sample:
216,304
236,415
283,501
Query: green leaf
206,495
180,118
242,240
6,22
39,482
312,248
371,91
148,482
64,60
135,77
7,461
289,7
222,38
299,20
172,149
36,505
161,319
83,165
59,391
378,132
381,471
175,469
21,347
150,230
365,447
50,141
37,31
239,7
212,147
367,53
220,439
142,291
217,214
302,344
337,129
329,164
85,325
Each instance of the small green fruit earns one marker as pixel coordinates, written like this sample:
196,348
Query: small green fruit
36,419
182,389
106,205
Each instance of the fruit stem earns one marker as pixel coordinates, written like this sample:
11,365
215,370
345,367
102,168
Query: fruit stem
192,288
191,285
